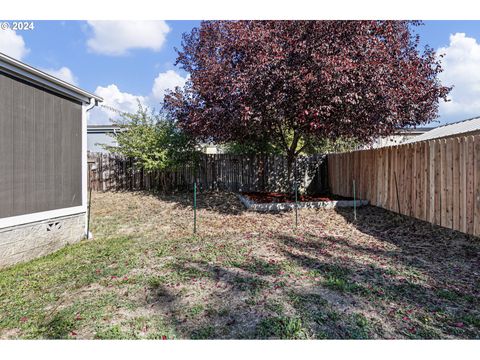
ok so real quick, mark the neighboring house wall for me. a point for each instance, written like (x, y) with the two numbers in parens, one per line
(393, 140)
(400, 137)
(96, 139)
(211, 149)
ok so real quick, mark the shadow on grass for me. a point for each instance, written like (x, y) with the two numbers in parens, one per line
(450, 258)
(405, 279)
(225, 310)
(429, 270)
(225, 203)
(59, 327)
(242, 305)
(419, 282)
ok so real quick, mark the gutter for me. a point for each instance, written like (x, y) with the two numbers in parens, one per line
(29, 73)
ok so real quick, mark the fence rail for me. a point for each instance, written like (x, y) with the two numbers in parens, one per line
(436, 181)
(218, 172)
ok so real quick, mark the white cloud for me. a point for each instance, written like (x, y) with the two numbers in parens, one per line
(113, 97)
(126, 102)
(168, 80)
(117, 37)
(461, 66)
(64, 73)
(12, 44)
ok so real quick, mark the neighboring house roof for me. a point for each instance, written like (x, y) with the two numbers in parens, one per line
(463, 127)
(413, 131)
(28, 73)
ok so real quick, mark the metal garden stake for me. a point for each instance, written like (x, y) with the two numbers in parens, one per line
(296, 192)
(354, 203)
(296, 204)
(195, 207)
(396, 189)
(89, 207)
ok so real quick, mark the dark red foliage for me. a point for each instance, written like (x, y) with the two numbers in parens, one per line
(284, 81)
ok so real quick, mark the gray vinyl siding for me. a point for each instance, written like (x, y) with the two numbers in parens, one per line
(40, 149)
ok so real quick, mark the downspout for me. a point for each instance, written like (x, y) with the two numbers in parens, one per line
(93, 103)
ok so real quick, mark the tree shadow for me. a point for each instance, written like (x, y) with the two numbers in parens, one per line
(449, 257)
(418, 283)
(241, 290)
(405, 262)
(383, 265)
(225, 203)
(225, 309)
(59, 327)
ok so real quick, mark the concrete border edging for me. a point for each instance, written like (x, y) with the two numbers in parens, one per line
(276, 207)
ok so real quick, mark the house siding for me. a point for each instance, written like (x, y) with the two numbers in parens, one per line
(40, 149)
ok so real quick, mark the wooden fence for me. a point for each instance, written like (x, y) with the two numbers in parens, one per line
(218, 172)
(436, 181)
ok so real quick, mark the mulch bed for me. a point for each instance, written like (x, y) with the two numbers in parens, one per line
(277, 197)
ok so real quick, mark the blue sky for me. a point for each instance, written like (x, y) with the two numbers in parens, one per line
(125, 61)
(54, 44)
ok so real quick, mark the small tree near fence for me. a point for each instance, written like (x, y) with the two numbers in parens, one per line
(154, 142)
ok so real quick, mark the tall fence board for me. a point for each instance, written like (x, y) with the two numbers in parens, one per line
(216, 172)
(437, 181)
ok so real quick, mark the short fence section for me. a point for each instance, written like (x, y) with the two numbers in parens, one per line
(436, 181)
(216, 172)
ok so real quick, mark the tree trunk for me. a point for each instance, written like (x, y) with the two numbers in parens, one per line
(290, 170)
(261, 172)
(291, 156)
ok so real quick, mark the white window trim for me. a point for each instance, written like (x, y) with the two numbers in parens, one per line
(84, 165)
(40, 216)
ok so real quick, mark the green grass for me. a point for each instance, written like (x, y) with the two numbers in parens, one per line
(455, 296)
(275, 306)
(342, 283)
(30, 292)
(203, 333)
(359, 328)
(196, 310)
(286, 328)
(448, 295)
(323, 317)
(262, 267)
(113, 332)
(253, 285)
(471, 319)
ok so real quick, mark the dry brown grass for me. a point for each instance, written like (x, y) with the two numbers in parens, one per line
(251, 275)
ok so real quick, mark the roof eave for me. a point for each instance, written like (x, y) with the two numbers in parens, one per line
(29, 73)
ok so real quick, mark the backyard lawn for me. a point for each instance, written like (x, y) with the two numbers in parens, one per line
(246, 276)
